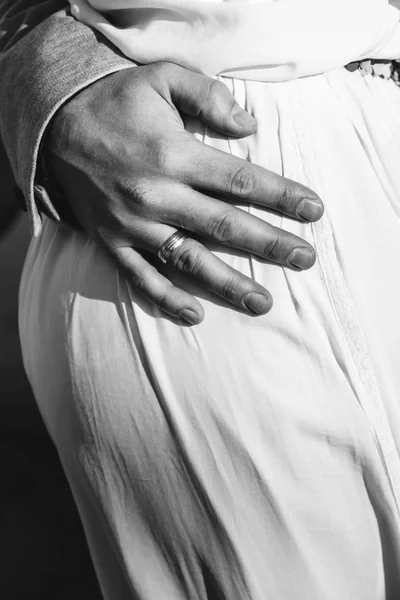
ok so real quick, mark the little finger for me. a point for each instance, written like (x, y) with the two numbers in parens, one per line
(156, 288)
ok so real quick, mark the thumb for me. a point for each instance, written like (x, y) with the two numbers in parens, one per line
(201, 96)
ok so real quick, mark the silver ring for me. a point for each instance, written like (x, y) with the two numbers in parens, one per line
(174, 241)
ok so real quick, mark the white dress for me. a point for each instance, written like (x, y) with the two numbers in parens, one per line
(244, 458)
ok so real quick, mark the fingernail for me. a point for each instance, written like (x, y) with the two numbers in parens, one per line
(190, 316)
(310, 209)
(302, 258)
(241, 117)
(257, 303)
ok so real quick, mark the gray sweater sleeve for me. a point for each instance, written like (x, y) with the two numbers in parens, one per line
(45, 58)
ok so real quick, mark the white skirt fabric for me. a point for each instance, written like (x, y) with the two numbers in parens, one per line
(245, 458)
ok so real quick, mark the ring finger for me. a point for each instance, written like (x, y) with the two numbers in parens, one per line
(192, 259)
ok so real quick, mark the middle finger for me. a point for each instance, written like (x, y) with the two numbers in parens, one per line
(221, 173)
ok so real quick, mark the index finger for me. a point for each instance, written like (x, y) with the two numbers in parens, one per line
(218, 172)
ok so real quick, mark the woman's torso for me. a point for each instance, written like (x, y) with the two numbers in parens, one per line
(261, 40)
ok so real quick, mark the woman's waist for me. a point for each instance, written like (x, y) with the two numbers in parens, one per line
(261, 40)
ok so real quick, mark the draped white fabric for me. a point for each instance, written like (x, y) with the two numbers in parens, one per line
(245, 458)
(265, 40)
(250, 456)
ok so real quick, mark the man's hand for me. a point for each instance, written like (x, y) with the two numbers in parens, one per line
(132, 176)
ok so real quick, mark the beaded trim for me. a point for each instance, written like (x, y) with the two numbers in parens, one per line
(396, 72)
(377, 68)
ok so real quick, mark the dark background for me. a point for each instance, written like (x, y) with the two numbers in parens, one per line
(42, 547)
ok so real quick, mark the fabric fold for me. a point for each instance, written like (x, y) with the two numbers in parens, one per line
(265, 40)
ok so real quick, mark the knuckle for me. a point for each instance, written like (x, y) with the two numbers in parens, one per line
(164, 155)
(242, 182)
(187, 258)
(163, 301)
(213, 90)
(285, 200)
(222, 228)
(138, 193)
(170, 155)
(212, 94)
(163, 70)
(229, 289)
(272, 247)
(139, 281)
